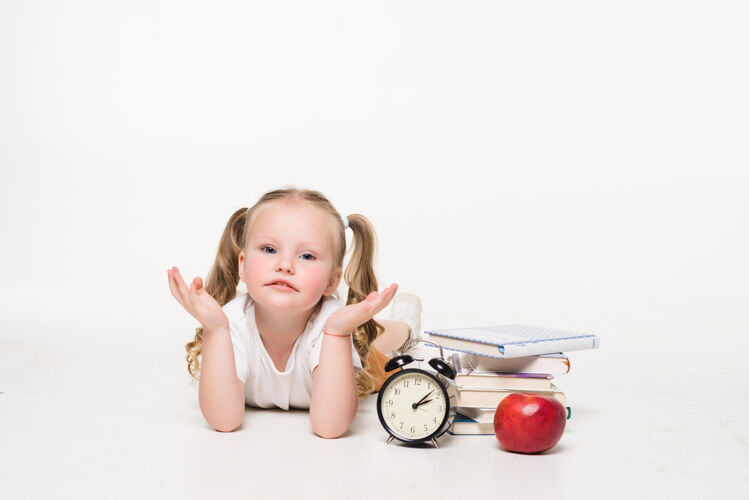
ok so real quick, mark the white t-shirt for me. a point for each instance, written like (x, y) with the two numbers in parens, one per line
(264, 385)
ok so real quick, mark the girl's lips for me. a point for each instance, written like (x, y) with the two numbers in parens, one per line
(280, 286)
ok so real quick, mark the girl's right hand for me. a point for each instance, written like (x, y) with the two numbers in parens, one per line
(197, 301)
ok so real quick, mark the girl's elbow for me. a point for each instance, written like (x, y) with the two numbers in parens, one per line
(330, 428)
(329, 431)
(226, 427)
(326, 436)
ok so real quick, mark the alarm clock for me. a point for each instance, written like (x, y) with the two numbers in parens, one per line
(415, 405)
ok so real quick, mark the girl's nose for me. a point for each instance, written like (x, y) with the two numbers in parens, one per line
(285, 264)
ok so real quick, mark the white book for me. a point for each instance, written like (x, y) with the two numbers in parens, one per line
(512, 341)
(482, 398)
(486, 414)
(554, 364)
(479, 414)
(467, 426)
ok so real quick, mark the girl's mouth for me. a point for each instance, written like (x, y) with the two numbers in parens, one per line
(280, 285)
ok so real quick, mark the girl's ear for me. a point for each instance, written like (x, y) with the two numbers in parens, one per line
(240, 267)
(335, 279)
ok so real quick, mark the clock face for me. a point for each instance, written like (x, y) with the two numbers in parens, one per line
(412, 405)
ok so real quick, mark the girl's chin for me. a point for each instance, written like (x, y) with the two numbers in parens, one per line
(275, 299)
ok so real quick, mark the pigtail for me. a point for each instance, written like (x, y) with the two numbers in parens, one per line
(361, 280)
(222, 280)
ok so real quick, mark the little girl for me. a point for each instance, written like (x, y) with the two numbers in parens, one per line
(289, 342)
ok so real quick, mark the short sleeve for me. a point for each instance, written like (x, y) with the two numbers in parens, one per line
(241, 353)
(316, 348)
(329, 307)
(240, 335)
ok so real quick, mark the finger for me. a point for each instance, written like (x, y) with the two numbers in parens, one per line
(174, 288)
(385, 297)
(376, 301)
(194, 300)
(178, 282)
(182, 287)
(197, 287)
(172, 285)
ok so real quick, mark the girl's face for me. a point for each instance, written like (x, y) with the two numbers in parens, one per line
(293, 242)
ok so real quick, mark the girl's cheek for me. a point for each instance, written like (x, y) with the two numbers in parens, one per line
(252, 268)
(319, 277)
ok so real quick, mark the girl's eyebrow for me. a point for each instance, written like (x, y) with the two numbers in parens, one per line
(301, 243)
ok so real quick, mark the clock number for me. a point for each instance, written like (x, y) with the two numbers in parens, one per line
(434, 420)
(397, 391)
(405, 383)
(390, 402)
(413, 429)
(426, 429)
(439, 408)
(392, 415)
(401, 426)
(418, 381)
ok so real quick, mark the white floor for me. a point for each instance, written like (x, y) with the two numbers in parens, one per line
(104, 409)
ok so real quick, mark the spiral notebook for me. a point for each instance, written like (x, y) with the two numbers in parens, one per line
(512, 341)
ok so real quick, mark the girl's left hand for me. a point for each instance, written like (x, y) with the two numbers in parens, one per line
(344, 321)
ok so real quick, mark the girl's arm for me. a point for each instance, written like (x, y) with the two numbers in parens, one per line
(221, 392)
(334, 399)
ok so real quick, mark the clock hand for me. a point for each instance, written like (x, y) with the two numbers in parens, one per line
(416, 404)
(425, 396)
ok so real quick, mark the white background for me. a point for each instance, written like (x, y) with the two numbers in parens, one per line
(581, 165)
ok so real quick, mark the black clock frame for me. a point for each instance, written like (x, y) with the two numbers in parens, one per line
(449, 414)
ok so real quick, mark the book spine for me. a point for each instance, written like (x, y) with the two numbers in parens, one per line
(463, 382)
(531, 364)
(477, 398)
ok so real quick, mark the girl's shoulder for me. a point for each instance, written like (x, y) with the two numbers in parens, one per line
(317, 321)
(330, 305)
(237, 307)
(333, 301)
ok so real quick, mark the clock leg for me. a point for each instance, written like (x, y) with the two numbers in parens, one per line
(434, 441)
(390, 438)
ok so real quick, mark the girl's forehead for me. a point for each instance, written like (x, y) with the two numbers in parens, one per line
(300, 220)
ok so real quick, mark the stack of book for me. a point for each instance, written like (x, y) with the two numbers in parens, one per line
(483, 382)
(494, 362)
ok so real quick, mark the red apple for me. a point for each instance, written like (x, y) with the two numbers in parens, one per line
(529, 423)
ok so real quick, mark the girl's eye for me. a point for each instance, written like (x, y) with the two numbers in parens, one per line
(304, 256)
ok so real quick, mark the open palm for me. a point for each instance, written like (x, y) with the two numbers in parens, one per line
(345, 320)
(197, 301)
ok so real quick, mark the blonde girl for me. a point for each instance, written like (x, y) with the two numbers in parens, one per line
(289, 341)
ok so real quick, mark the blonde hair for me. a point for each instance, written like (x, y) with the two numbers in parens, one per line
(223, 279)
